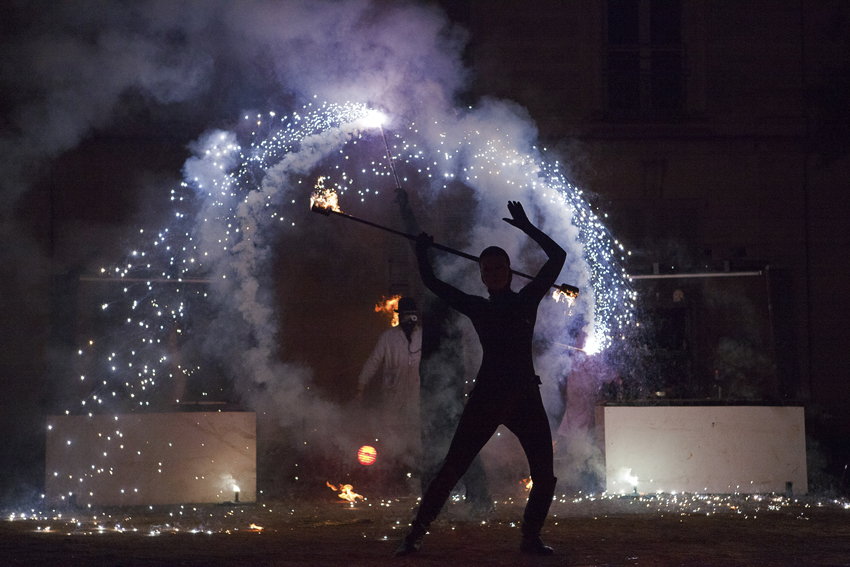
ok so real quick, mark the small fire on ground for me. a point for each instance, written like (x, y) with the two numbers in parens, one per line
(346, 492)
(527, 483)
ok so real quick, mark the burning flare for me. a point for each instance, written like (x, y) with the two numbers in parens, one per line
(366, 455)
(565, 293)
(388, 307)
(345, 492)
(375, 119)
(626, 476)
(324, 197)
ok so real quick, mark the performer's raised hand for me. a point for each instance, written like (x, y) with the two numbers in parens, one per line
(520, 219)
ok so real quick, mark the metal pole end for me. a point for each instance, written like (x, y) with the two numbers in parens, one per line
(569, 290)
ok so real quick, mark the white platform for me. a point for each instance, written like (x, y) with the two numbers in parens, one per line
(704, 449)
(148, 459)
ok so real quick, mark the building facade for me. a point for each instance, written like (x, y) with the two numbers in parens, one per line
(714, 135)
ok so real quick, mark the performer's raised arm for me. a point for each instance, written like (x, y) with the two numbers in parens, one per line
(557, 256)
(441, 289)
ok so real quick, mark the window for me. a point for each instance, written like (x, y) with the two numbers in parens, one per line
(645, 72)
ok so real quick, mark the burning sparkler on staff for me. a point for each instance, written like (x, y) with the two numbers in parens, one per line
(324, 197)
(325, 201)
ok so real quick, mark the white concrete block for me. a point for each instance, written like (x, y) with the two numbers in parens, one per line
(704, 449)
(150, 459)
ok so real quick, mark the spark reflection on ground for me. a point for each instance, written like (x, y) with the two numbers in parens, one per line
(395, 513)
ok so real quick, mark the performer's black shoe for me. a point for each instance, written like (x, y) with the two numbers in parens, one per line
(412, 541)
(533, 545)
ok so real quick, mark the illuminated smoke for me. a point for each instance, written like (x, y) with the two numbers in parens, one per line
(209, 265)
(241, 190)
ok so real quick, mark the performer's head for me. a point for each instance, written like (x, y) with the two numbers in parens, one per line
(408, 314)
(495, 266)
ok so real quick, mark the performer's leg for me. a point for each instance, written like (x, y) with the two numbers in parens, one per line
(531, 426)
(475, 428)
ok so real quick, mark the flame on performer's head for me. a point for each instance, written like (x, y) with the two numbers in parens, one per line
(346, 492)
(324, 197)
(388, 307)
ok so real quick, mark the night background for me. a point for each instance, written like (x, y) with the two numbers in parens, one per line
(710, 138)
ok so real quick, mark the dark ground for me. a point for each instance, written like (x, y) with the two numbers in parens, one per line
(665, 530)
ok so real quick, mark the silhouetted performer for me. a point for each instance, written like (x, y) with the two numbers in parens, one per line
(442, 391)
(506, 389)
(397, 355)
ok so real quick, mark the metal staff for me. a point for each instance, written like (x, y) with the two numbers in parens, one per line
(568, 290)
(390, 158)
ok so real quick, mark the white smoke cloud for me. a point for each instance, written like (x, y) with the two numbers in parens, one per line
(68, 72)
(81, 66)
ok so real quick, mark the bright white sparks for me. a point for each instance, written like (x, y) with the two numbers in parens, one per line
(165, 281)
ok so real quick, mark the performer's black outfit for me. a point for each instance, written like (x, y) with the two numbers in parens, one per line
(506, 391)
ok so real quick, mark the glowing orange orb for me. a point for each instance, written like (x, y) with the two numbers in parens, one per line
(367, 455)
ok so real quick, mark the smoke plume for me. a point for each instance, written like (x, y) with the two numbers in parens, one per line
(72, 70)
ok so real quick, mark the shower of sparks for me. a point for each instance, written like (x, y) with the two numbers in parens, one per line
(614, 296)
(493, 160)
(136, 362)
(162, 277)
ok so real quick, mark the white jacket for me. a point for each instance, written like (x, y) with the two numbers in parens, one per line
(400, 362)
